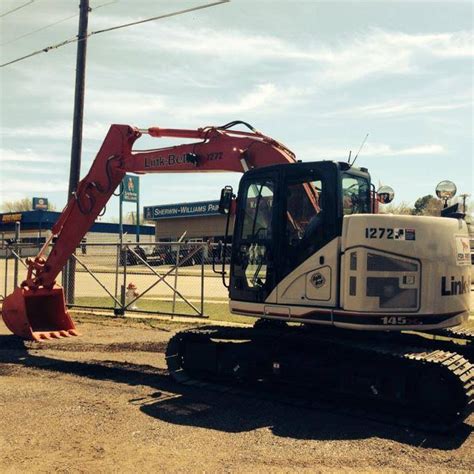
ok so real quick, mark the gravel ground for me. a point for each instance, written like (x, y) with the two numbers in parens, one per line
(105, 403)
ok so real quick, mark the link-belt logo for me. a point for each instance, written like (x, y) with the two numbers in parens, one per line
(455, 287)
(172, 159)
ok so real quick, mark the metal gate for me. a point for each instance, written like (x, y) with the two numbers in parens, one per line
(169, 278)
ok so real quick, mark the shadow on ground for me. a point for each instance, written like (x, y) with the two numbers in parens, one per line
(190, 406)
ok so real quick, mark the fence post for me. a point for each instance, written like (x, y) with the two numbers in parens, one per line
(17, 238)
(124, 285)
(7, 253)
(117, 264)
(202, 280)
(178, 248)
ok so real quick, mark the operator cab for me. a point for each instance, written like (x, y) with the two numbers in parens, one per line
(285, 214)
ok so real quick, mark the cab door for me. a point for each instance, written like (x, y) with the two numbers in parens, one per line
(254, 240)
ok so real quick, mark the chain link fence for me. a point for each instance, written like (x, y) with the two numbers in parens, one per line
(172, 278)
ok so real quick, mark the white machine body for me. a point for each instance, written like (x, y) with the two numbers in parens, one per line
(385, 272)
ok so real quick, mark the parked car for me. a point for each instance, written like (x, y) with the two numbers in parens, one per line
(132, 259)
(166, 255)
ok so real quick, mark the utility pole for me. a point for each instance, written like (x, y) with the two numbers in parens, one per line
(76, 147)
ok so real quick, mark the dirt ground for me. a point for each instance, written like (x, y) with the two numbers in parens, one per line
(105, 403)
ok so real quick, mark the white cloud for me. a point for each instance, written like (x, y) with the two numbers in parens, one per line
(378, 52)
(372, 149)
(233, 43)
(23, 158)
(25, 169)
(20, 188)
(310, 68)
(373, 52)
(215, 42)
(132, 107)
(120, 102)
(415, 150)
(448, 45)
(57, 130)
(405, 107)
(261, 98)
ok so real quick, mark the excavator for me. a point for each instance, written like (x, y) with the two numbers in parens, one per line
(352, 307)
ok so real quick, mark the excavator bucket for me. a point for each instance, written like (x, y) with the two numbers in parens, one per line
(38, 315)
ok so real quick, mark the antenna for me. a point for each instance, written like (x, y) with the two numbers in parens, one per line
(361, 145)
(349, 159)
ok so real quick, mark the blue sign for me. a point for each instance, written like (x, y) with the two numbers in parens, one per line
(130, 188)
(40, 203)
(188, 209)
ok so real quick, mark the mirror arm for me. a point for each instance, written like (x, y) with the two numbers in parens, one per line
(224, 250)
(373, 196)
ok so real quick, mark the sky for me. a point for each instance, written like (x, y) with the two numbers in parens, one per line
(315, 75)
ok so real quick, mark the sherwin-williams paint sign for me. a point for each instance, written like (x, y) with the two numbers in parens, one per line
(188, 209)
(130, 188)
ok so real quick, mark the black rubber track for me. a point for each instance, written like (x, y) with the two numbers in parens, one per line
(458, 339)
(384, 380)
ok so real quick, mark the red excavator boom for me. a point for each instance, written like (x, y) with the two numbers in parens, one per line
(36, 310)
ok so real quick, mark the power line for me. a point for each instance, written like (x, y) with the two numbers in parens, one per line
(16, 9)
(53, 24)
(180, 12)
(104, 5)
(39, 29)
(126, 25)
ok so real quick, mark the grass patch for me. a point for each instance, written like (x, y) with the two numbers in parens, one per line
(214, 311)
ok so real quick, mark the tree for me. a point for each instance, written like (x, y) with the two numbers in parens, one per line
(433, 207)
(427, 206)
(17, 206)
(21, 205)
(402, 208)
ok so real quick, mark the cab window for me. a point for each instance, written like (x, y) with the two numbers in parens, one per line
(258, 211)
(303, 208)
(256, 240)
(355, 194)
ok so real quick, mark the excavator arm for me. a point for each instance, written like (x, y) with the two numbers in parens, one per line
(37, 309)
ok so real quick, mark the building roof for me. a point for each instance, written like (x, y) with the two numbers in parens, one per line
(44, 220)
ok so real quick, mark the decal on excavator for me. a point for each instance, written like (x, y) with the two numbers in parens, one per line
(455, 287)
(463, 251)
(400, 320)
(172, 159)
(318, 280)
(162, 161)
(390, 233)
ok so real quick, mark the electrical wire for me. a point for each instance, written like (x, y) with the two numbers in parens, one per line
(16, 9)
(167, 15)
(126, 25)
(104, 5)
(54, 24)
(39, 29)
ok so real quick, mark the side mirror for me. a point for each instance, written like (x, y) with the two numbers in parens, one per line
(446, 190)
(385, 194)
(226, 199)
